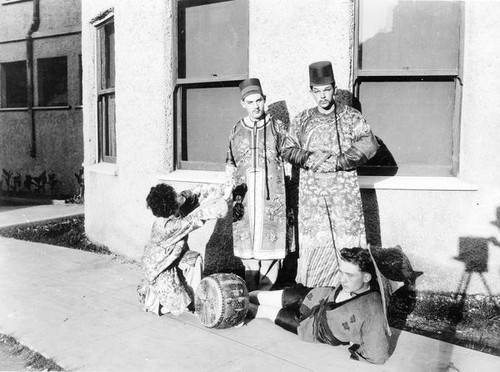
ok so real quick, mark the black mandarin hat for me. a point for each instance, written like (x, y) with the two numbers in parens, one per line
(321, 73)
(250, 86)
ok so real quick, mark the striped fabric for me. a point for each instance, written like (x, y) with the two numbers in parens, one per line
(318, 267)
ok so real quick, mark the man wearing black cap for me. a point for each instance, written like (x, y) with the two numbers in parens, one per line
(255, 181)
(328, 142)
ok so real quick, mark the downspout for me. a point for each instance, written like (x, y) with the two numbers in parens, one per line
(35, 23)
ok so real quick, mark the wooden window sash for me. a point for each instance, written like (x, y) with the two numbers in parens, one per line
(106, 129)
(360, 75)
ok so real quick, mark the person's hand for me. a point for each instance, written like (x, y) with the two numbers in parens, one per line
(316, 159)
(228, 193)
(238, 211)
(330, 165)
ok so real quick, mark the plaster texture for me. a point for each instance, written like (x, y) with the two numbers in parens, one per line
(440, 228)
(58, 132)
(286, 36)
(144, 107)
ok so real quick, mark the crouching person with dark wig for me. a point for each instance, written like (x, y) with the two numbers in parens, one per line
(171, 270)
(351, 314)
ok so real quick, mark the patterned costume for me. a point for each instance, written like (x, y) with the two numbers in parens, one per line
(329, 201)
(317, 317)
(255, 168)
(172, 271)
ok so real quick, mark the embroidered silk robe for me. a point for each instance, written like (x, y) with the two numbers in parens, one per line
(256, 170)
(330, 210)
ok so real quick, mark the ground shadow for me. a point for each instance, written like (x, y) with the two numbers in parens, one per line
(219, 254)
(474, 253)
(288, 271)
(395, 266)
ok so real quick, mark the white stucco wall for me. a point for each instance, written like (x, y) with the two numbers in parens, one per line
(286, 36)
(426, 217)
(115, 194)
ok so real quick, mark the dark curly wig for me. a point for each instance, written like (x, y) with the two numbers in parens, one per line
(360, 257)
(162, 200)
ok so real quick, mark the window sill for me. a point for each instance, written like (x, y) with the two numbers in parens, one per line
(193, 176)
(7, 2)
(365, 182)
(415, 183)
(36, 108)
(6, 109)
(42, 108)
(109, 169)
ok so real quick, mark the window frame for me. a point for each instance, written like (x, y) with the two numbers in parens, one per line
(181, 86)
(106, 135)
(41, 86)
(388, 75)
(3, 86)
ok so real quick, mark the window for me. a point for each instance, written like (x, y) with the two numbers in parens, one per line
(407, 81)
(212, 56)
(106, 91)
(13, 84)
(80, 81)
(53, 81)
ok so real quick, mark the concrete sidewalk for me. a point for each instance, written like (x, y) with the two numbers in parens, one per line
(82, 310)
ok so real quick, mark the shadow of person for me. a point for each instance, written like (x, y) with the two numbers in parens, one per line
(288, 271)
(395, 266)
(219, 254)
(381, 164)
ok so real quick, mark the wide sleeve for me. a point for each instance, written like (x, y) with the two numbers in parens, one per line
(292, 149)
(374, 347)
(165, 246)
(364, 147)
(174, 230)
(230, 169)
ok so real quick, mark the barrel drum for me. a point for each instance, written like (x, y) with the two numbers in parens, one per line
(221, 300)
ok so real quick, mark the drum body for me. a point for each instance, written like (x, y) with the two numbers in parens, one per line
(221, 300)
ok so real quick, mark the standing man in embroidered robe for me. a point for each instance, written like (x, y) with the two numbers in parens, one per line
(256, 183)
(328, 142)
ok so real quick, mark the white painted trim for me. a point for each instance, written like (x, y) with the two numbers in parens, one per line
(6, 2)
(193, 176)
(100, 19)
(415, 183)
(110, 169)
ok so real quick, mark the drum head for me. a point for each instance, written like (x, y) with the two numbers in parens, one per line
(221, 300)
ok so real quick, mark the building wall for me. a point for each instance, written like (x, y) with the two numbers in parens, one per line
(58, 132)
(440, 223)
(115, 194)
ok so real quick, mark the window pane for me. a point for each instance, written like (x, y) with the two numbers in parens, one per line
(414, 120)
(52, 82)
(106, 36)
(408, 35)
(107, 127)
(80, 80)
(15, 83)
(210, 115)
(213, 38)
(110, 55)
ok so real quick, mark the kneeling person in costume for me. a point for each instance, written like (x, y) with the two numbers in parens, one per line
(171, 270)
(351, 314)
